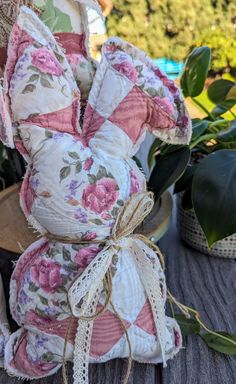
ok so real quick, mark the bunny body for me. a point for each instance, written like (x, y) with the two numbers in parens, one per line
(78, 178)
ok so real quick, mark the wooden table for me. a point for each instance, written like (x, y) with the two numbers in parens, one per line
(206, 283)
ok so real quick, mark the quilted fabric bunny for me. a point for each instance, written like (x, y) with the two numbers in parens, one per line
(82, 185)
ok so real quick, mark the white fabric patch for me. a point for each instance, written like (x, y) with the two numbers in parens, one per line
(109, 89)
(117, 142)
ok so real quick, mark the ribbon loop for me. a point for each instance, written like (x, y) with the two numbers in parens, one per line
(132, 214)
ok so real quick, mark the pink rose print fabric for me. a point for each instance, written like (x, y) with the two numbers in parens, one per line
(47, 275)
(134, 183)
(80, 174)
(46, 62)
(100, 196)
(128, 70)
(85, 255)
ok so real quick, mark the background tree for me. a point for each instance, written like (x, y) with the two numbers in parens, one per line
(170, 28)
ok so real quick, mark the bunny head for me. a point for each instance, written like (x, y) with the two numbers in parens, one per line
(80, 170)
(79, 177)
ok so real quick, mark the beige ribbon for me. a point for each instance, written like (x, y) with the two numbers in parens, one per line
(85, 292)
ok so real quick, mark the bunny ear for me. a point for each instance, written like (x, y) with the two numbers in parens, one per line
(169, 120)
(6, 129)
(38, 79)
(164, 109)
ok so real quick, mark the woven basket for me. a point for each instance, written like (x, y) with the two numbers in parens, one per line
(191, 232)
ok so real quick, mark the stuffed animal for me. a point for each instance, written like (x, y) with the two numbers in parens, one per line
(89, 290)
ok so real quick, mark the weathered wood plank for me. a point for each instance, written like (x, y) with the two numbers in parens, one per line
(107, 373)
(209, 285)
(6, 379)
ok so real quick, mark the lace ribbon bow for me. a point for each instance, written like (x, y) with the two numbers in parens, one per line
(85, 292)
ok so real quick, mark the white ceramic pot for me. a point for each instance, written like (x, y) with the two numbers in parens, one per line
(191, 232)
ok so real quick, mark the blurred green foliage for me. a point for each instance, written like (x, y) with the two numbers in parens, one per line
(171, 28)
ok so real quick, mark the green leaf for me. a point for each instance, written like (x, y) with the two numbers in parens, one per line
(29, 88)
(48, 134)
(82, 65)
(223, 107)
(188, 326)
(92, 178)
(47, 357)
(64, 172)
(43, 300)
(32, 115)
(45, 83)
(78, 167)
(115, 212)
(167, 148)
(40, 312)
(185, 181)
(65, 280)
(214, 195)
(33, 78)
(96, 221)
(77, 247)
(120, 203)
(66, 254)
(231, 95)
(153, 149)
(102, 172)
(32, 68)
(218, 90)
(33, 287)
(52, 252)
(55, 19)
(60, 58)
(63, 303)
(139, 68)
(227, 137)
(199, 127)
(62, 289)
(195, 71)
(138, 162)
(219, 344)
(73, 266)
(167, 170)
(152, 91)
(73, 155)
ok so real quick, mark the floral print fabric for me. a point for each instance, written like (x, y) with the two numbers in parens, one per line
(80, 173)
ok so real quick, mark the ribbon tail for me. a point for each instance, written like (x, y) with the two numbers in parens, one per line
(151, 273)
(83, 343)
(83, 289)
(83, 296)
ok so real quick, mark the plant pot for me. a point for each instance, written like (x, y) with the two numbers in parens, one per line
(192, 233)
(157, 222)
(15, 233)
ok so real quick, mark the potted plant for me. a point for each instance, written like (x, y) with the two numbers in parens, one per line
(207, 189)
(165, 172)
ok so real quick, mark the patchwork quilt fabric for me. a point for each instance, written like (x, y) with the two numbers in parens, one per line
(80, 176)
